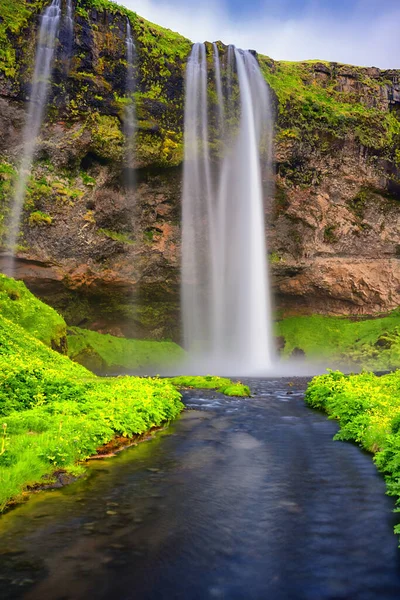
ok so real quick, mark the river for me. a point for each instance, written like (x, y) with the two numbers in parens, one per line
(244, 499)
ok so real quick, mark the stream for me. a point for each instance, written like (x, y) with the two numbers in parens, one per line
(239, 499)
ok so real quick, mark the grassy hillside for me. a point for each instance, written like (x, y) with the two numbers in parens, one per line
(104, 353)
(18, 305)
(372, 344)
(55, 413)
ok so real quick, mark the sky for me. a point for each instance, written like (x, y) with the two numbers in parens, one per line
(359, 32)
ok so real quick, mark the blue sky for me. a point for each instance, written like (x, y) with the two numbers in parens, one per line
(361, 32)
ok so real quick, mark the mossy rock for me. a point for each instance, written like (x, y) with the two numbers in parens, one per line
(20, 306)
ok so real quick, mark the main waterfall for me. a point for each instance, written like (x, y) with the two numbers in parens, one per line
(225, 289)
(49, 27)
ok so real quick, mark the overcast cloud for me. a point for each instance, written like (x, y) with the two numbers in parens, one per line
(366, 34)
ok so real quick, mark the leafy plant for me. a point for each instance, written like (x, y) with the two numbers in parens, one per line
(367, 408)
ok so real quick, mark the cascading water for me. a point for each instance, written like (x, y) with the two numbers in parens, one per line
(69, 32)
(225, 289)
(68, 17)
(130, 116)
(49, 27)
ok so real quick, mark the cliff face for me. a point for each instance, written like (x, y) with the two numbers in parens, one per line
(110, 260)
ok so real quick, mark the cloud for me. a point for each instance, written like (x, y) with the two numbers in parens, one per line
(360, 36)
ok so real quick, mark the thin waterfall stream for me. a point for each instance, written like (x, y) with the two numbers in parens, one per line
(45, 52)
(69, 32)
(225, 289)
(130, 115)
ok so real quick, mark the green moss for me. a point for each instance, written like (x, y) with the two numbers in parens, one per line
(87, 179)
(7, 178)
(161, 148)
(371, 343)
(39, 218)
(209, 382)
(116, 236)
(318, 108)
(20, 306)
(329, 234)
(110, 354)
(358, 203)
(15, 16)
(274, 258)
(108, 140)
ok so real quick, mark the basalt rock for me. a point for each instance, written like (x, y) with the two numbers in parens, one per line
(109, 259)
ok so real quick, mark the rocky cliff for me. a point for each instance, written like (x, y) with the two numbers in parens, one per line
(109, 259)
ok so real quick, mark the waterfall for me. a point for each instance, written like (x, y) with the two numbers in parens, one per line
(69, 32)
(68, 17)
(130, 116)
(48, 31)
(225, 288)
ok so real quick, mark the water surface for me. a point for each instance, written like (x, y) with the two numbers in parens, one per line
(239, 499)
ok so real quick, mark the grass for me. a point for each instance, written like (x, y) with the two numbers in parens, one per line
(57, 413)
(54, 412)
(307, 105)
(367, 408)
(209, 382)
(372, 344)
(107, 353)
(20, 306)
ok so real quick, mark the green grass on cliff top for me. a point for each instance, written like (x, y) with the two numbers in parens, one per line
(371, 344)
(307, 102)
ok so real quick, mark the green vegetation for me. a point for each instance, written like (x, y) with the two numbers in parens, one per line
(311, 101)
(38, 217)
(21, 307)
(55, 413)
(367, 408)
(372, 344)
(104, 353)
(116, 236)
(209, 382)
(7, 175)
(107, 137)
(15, 16)
(274, 258)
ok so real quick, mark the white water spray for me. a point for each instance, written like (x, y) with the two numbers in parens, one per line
(49, 26)
(225, 289)
(130, 116)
